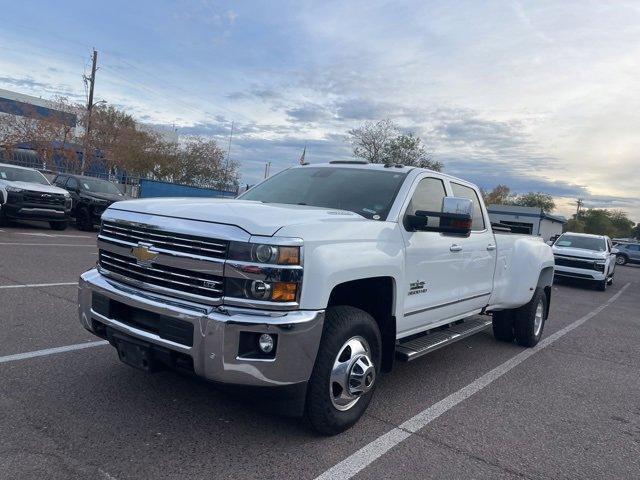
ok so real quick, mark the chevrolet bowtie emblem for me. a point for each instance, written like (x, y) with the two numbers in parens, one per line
(143, 255)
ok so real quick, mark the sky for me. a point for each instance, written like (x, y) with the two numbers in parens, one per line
(540, 96)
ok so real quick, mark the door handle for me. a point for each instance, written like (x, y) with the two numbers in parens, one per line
(491, 246)
(455, 247)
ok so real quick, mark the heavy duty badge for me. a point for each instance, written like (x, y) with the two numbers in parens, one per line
(417, 287)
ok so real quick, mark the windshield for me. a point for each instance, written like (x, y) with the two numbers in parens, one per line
(14, 174)
(99, 186)
(369, 193)
(586, 243)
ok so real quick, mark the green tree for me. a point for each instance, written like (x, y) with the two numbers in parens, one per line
(533, 199)
(500, 195)
(621, 223)
(600, 221)
(597, 222)
(574, 225)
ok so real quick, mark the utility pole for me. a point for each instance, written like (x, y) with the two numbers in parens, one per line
(579, 203)
(229, 147)
(267, 168)
(92, 82)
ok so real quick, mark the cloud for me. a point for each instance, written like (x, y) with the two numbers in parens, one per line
(309, 112)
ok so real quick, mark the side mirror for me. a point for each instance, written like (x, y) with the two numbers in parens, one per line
(550, 242)
(416, 223)
(455, 218)
(615, 251)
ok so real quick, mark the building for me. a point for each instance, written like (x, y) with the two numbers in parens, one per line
(18, 104)
(528, 220)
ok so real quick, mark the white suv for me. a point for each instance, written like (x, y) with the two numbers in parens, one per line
(585, 256)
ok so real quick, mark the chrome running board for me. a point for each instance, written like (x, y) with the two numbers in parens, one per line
(415, 347)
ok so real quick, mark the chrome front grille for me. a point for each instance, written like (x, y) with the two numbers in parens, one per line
(164, 278)
(161, 240)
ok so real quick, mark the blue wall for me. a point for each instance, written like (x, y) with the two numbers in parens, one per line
(15, 107)
(153, 188)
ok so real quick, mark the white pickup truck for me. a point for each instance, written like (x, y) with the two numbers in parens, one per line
(312, 282)
(585, 257)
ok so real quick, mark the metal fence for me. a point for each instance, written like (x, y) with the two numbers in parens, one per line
(134, 186)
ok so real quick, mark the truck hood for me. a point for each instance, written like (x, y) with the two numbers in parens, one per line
(112, 197)
(35, 187)
(256, 218)
(579, 252)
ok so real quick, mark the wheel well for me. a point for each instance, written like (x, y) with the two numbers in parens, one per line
(374, 296)
(545, 280)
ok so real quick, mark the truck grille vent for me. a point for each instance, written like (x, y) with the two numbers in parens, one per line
(567, 262)
(43, 198)
(164, 276)
(175, 242)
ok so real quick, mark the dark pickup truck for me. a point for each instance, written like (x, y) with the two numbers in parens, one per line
(90, 197)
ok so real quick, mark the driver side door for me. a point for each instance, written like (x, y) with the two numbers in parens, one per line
(433, 263)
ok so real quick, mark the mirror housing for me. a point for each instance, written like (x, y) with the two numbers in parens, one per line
(550, 242)
(455, 217)
(615, 251)
(416, 223)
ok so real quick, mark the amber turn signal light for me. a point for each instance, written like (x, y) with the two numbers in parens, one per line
(289, 255)
(284, 291)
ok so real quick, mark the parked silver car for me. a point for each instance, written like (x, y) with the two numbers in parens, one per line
(628, 253)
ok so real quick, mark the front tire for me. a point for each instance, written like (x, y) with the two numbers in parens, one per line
(58, 225)
(529, 320)
(345, 372)
(621, 260)
(502, 324)
(602, 285)
(83, 220)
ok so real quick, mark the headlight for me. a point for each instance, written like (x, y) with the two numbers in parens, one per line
(599, 266)
(14, 189)
(262, 253)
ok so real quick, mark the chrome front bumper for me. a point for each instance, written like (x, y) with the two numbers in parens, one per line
(216, 333)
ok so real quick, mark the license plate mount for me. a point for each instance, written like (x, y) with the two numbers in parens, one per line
(135, 354)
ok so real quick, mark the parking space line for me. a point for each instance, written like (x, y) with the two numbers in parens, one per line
(54, 235)
(46, 244)
(37, 285)
(362, 458)
(51, 351)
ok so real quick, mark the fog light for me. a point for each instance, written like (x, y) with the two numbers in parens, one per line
(259, 290)
(265, 342)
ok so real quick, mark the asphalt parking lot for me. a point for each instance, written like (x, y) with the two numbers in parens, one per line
(567, 410)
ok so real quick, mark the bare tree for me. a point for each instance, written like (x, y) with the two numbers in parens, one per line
(383, 142)
(369, 140)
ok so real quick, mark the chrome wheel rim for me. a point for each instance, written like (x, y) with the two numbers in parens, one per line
(353, 374)
(537, 323)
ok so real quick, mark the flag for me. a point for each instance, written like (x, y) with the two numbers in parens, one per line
(302, 156)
